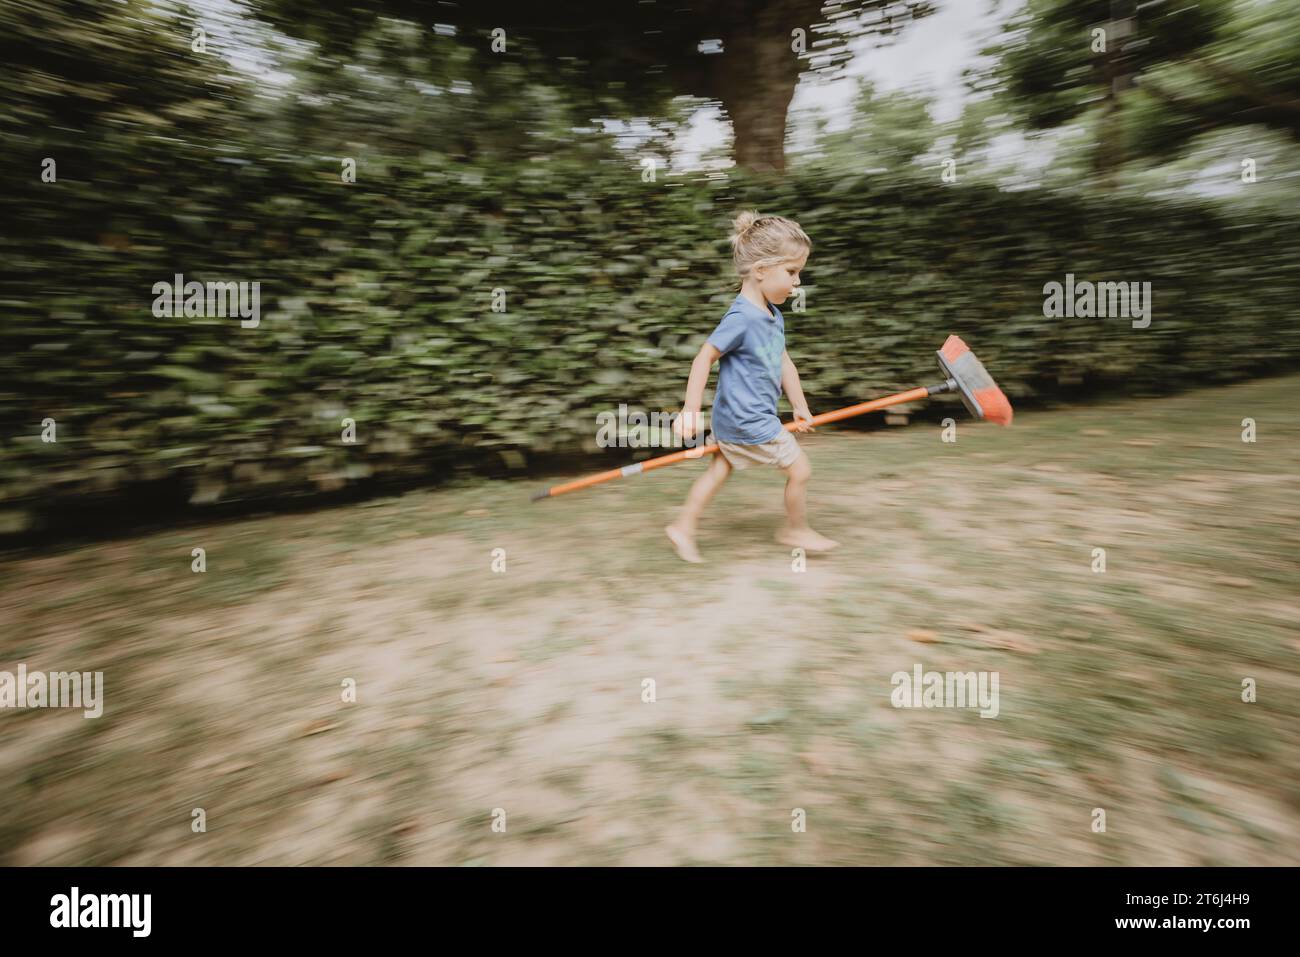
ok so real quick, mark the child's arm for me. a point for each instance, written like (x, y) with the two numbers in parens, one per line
(686, 423)
(790, 383)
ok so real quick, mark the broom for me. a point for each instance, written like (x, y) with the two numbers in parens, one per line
(964, 373)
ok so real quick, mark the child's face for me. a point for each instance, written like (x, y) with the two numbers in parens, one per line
(778, 282)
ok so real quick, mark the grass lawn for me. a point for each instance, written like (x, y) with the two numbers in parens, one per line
(522, 690)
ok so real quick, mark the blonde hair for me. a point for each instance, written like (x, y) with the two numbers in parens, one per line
(764, 241)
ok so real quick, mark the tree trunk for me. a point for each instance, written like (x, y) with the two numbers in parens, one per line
(755, 79)
(1117, 77)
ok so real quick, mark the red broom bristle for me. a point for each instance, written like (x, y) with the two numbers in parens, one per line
(953, 348)
(996, 406)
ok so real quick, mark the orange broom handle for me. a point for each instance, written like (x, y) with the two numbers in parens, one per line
(920, 392)
(848, 412)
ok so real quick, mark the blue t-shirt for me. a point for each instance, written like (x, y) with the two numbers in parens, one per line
(752, 342)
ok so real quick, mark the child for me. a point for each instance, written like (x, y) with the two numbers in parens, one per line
(769, 252)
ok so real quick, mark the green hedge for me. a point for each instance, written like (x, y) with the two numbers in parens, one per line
(376, 305)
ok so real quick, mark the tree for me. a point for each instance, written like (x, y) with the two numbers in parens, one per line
(1249, 74)
(1062, 59)
(635, 56)
(1153, 75)
(886, 131)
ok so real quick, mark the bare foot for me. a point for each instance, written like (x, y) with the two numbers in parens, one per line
(684, 543)
(805, 538)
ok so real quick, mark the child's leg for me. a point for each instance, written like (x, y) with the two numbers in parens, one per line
(796, 531)
(682, 531)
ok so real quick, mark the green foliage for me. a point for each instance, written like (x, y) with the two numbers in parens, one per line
(1250, 74)
(1054, 67)
(1159, 75)
(887, 132)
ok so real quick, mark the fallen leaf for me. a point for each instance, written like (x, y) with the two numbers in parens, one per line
(316, 727)
(923, 636)
(1008, 641)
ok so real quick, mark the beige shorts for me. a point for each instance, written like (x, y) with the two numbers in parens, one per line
(782, 451)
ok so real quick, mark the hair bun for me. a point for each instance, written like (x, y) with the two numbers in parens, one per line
(742, 223)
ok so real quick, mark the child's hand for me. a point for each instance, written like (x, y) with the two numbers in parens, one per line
(686, 423)
(803, 421)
